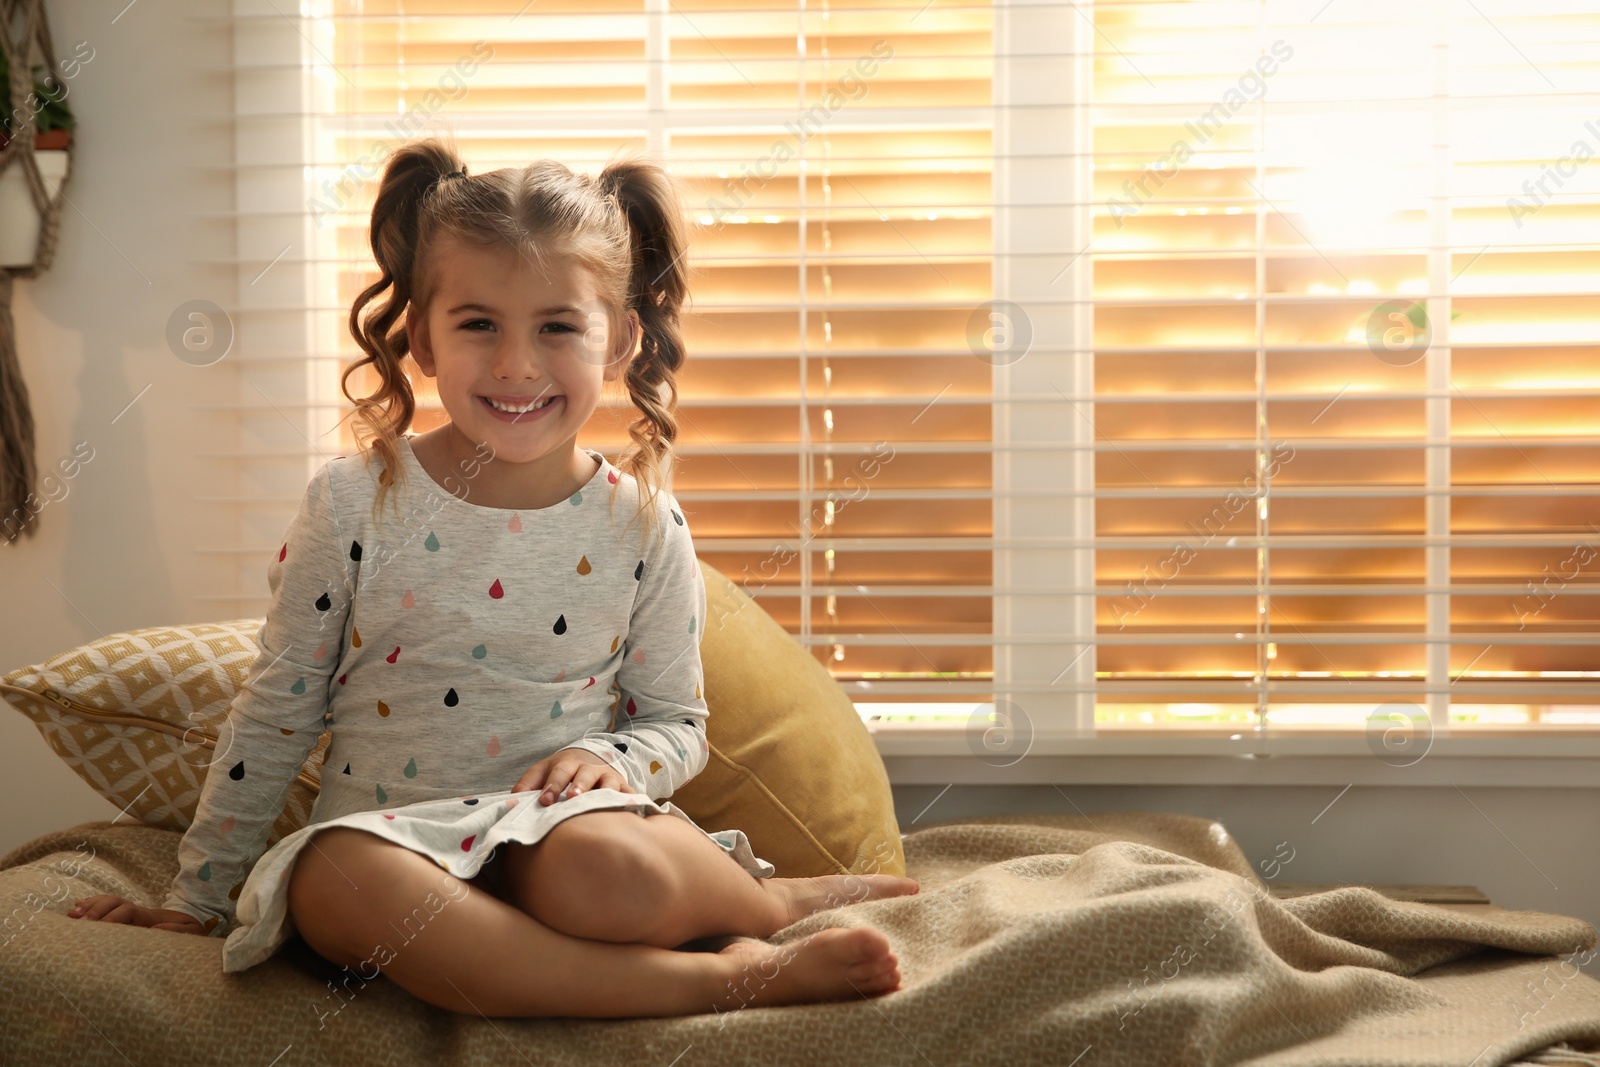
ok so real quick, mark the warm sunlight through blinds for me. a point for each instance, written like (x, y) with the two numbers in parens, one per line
(1219, 367)
(1347, 361)
(839, 159)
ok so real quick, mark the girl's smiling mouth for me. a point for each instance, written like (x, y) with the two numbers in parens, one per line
(522, 411)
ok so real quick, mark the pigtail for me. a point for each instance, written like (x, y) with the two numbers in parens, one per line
(650, 201)
(412, 173)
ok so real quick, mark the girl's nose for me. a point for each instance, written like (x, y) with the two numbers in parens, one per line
(516, 361)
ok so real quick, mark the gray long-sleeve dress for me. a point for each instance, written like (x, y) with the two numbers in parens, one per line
(448, 650)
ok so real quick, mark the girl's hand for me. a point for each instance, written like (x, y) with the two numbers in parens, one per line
(575, 767)
(113, 909)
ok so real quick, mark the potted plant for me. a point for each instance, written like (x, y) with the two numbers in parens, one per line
(52, 132)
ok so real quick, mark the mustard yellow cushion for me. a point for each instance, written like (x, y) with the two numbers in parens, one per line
(135, 715)
(792, 764)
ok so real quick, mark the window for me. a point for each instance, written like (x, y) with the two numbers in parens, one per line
(839, 160)
(993, 400)
(1346, 385)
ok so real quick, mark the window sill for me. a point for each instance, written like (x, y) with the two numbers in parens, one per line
(919, 755)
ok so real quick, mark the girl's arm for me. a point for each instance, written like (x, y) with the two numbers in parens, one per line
(278, 714)
(659, 742)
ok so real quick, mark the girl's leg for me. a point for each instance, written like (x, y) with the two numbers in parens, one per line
(614, 876)
(372, 905)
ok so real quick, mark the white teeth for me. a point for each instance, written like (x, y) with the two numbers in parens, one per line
(520, 411)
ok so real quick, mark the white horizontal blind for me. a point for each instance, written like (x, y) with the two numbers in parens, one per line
(952, 387)
(1347, 391)
(277, 337)
(838, 157)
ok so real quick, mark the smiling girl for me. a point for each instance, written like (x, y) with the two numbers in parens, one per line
(513, 681)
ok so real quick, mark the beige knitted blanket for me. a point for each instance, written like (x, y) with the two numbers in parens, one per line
(1131, 939)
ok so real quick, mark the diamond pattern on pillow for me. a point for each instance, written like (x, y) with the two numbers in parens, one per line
(135, 715)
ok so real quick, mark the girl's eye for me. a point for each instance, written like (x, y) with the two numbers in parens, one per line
(475, 324)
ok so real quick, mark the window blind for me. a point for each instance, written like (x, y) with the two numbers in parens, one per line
(837, 158)
(1014, 418)
(1346, 385)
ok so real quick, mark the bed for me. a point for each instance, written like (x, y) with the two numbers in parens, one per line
(1133, 939)
(1070, 941)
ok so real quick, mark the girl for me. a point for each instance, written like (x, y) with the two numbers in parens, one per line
(506, 632)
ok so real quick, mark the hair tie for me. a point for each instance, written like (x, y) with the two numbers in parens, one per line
(462, 173)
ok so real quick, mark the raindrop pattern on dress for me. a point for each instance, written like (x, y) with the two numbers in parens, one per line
(474, 620)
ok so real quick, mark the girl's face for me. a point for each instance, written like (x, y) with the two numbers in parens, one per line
(500, 336)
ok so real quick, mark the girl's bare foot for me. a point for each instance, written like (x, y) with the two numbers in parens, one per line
(832, 964)
(798, 897)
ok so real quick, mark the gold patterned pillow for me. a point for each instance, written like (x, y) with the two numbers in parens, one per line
(135, 715)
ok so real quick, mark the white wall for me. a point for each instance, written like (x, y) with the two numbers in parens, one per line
(151, 196)
(153, 184)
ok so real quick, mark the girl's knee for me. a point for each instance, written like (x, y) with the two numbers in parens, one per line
(328, 856)
(320, 897)
(335, 874)
(598, 865)
(618, 856)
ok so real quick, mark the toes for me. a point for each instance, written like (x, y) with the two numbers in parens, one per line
(887, 977)
(877, 985)
(865, 950)
(873, 971)
(850, 947)
(863, 943)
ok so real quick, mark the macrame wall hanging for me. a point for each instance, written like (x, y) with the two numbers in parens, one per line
(34, 165)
